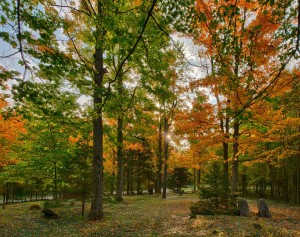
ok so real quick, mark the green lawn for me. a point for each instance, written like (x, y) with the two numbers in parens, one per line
(148, 216)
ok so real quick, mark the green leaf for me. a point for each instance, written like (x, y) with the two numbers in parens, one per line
(3, 20)
(4, 36)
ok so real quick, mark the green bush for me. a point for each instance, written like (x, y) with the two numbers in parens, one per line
(215, 196)
(53, 204)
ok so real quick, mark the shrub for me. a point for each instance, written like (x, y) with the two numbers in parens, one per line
(215, 196)
(53, 204)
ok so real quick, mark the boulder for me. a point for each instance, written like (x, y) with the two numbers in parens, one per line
(263, 209)
(243, 208)
(49, 213)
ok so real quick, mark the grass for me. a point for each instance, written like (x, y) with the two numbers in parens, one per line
(148, 216)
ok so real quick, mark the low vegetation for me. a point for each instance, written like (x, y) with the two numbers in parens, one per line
(147, 215)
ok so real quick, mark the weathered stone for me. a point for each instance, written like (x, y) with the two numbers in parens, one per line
(49, 213)
(243, 208)
(263, 209)
(34, 207)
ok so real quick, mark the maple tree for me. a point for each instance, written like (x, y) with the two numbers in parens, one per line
(245, 63)
(11, 126)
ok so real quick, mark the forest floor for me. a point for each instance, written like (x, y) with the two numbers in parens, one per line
(148, 216)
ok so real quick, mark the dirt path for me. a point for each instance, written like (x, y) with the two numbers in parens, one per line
(149, 216)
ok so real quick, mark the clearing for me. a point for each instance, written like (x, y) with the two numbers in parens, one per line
(148, 216)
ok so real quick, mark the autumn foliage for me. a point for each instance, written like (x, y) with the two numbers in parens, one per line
(11, 127)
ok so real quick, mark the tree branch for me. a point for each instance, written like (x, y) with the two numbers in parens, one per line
(120, 67)
(137, 41)
(72, 8)
(174, 43)
(21, 50)
(92, 7)
(131, 100)
(84, 61)
(8, 56)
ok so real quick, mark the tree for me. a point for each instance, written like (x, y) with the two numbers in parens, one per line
(49, 113)
(11, 127)
(88, 28)
(231, 33)
(215, 198)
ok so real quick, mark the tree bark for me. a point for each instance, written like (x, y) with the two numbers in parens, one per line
(166, 154)
(298, 165)
(159, 160)
(55, 181)
(120, 178)
(113, 176)
(198, 178)
(235, 167)
(226, 152)
(4, 193)
(139, 174)
(97, 198)
(225, 131)
(84, 186)
(194, 174)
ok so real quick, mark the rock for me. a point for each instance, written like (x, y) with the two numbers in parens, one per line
(263, 209)
(34, 207)
(243, 208)
(49, 213)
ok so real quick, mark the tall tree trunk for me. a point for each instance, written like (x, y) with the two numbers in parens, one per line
(226, 152)
(194, 174)
(113, 176)
(139, 174)
(83, 201)
(298, 167)
(128, 167)
(55, 181)
(97, 198)
(198, 178)
(4, 193)
(298, 179)
(159, 160)
(84, 187)
(119, 187)
(166, 154)
(272, 177)
(225, 131)
(235, 167)
(7, 192)
(14, 193)
(36, 190)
